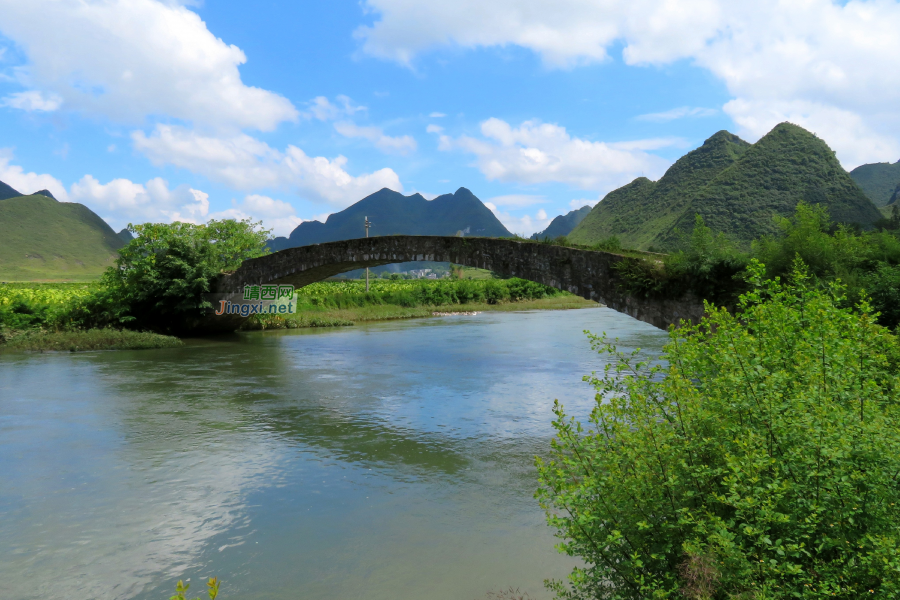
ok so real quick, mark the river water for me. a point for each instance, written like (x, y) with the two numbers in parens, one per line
(390, 461)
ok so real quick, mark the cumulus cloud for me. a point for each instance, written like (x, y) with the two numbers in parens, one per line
(538, 152)
(392, 145)
(523, 225)
(432, 128)
(28, 183)
(121, 201)
(437, 115)
(128, 59)
(579, 202)
(32, 101)
(678, 113)
(277, 215)
(815, 59)
(323, 109)
(244, 162)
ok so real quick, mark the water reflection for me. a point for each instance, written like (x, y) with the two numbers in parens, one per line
(388, 461)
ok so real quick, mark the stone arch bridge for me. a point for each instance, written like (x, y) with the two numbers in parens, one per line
(586, 273)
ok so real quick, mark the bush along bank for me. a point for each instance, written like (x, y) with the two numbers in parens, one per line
(712, 267)
(758, 459)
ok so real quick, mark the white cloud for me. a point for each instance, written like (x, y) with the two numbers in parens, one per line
(814, 59)
(392, 145)
(32, 101)
(516, 200)
(244, 162)
(277, 215)
(434, 129)
(129, 59)
(579, 202)
(324, 110)
(437, 115)
(538, 152)
(121, 201)
(678, 113)
(523, 225)
(28, 183)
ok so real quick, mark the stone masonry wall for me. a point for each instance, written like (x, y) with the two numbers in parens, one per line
(586, 273)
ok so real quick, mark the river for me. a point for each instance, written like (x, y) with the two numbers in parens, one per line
(389, 461)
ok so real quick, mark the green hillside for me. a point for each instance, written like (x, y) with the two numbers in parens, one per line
(641, 211)
(43, 239)
(7, 192)
(878, 181)
(738, 188)
(563, 224)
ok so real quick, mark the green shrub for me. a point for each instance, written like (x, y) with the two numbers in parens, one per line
(161, 276)
(759, 460)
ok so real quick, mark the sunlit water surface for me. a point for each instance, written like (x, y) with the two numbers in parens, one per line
(392, 461)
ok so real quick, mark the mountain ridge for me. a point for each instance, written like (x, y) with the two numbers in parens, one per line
(563, 225)
(392, 213)
(737, 187)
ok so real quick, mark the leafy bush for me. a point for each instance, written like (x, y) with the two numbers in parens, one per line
(161, 276)
(709, 266)
(760, 460)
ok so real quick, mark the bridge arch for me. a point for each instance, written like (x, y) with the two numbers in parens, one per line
(586, 273)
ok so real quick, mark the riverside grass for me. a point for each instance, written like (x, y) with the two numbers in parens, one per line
(88, 339)
(36, 316)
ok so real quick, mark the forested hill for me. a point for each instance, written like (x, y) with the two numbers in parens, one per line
(393, 213)
(563, 224)
(879, 181)
(642, 211)
(736, 187)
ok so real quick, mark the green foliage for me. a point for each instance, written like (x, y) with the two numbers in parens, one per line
(26, 306)
(181, 589)
(414, 293)
(757, 459)
(42, 239)
(709, 266)
(161, 276)
(735, 187)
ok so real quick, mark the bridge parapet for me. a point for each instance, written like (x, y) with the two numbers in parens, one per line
(586, 273)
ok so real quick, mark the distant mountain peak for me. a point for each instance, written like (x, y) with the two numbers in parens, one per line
(737, 187)
(45, 193)
(393, 213)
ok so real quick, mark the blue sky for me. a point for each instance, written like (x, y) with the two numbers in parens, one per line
(282, 112)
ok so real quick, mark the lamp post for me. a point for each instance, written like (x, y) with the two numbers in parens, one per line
(368, 224)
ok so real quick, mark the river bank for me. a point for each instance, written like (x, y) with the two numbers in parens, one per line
(78, 340)
(51, 317)
(345, 317)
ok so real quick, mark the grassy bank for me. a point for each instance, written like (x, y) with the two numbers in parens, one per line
(39, 316)
(341, 317)
(82, 340)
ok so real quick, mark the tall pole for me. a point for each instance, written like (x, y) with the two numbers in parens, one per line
(367, 268)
